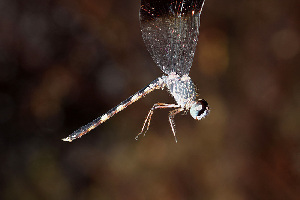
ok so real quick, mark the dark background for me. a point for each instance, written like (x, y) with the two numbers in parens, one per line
(63, 63)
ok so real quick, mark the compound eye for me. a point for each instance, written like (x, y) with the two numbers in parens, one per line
(200, 109)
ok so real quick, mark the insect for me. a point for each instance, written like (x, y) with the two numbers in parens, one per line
(170, 30)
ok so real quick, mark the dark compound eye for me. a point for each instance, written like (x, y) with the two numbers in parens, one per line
(200, 109)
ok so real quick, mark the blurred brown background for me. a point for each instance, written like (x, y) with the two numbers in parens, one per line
(63, 63)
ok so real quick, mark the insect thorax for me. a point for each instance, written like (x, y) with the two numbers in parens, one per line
(182, 89)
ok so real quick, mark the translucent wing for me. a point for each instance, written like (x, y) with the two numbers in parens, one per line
(170, 30)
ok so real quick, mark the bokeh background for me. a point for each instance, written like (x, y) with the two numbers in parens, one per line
(63, 63)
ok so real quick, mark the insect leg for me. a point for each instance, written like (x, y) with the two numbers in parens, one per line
(171, 120)
(150, 113)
